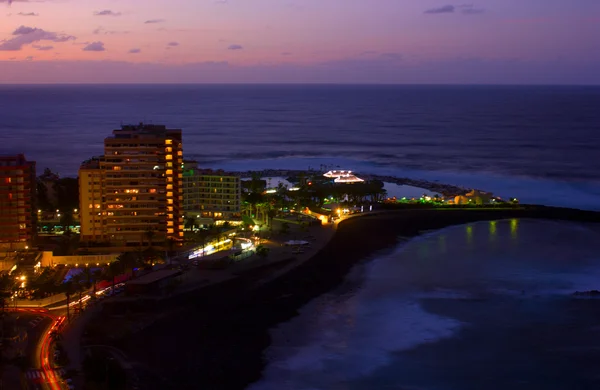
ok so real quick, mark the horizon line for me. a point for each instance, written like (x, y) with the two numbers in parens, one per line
(304, 83)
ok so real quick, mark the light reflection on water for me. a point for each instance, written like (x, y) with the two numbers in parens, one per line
(469, 229)
(492, 230)
(355, 341)
(514, 228)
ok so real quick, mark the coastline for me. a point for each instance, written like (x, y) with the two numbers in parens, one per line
(219, 334)
(444, 189)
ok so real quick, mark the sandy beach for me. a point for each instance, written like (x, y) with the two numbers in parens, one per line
(215, 337)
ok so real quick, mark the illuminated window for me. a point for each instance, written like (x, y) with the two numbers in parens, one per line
(116, 168)
(169, 186)
(168, 142)
(169, 157)
(180, 234)
(169, 165)
(169, 216)
(169, 149)
(170, 231)
(169, 194)
(169, 201)
(169, 172)
(170, 223)
(170, 209)
(152, 190)
(179, 153)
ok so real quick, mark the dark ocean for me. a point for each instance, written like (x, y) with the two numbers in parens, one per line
(537, 143)
(501, 138)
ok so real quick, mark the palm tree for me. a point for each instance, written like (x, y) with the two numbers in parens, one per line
(272, 213)
(96, 275)
(77, 279)
(171, 243)
(112, 271)
(67, 288)
(201, 237)
(256, 183)
(127, 262)
(67, 220)
(150, 233)
(190, 223)
(87, 276)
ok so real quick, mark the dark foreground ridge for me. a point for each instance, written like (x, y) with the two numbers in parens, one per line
(217, 336)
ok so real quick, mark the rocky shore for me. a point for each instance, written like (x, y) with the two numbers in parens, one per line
(216, 338)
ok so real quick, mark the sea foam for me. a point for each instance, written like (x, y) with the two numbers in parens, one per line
(340, 338)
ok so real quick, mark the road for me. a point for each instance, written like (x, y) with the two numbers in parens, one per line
(40, 323)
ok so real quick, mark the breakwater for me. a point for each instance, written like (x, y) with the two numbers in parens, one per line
(444, 189)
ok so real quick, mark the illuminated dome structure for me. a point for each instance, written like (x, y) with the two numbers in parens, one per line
(343, 177)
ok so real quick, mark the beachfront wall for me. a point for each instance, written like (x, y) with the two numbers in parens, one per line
(49, 260)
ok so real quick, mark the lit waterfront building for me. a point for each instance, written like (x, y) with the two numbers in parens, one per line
(18, 214)
(343, 177)
(210, 194)
(133, 193)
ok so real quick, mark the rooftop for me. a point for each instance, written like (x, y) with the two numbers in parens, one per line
(155, 276)
(14, 160)
(141, 129)
(92, 163)
(191, 169)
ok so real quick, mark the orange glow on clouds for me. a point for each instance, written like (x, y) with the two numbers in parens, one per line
(267, 33)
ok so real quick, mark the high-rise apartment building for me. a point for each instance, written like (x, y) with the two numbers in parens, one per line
(18, 215)
(133, 194)
(210, 194)
(91, 182)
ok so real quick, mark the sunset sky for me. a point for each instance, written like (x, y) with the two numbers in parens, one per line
(363, 41)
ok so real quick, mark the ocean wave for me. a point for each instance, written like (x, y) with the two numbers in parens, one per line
(349, 340)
